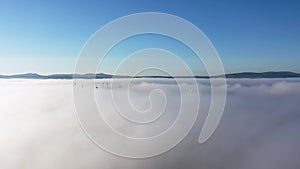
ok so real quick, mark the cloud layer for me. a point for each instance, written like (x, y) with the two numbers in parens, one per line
(259, 129)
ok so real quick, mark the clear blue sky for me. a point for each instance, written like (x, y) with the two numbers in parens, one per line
(46, 36)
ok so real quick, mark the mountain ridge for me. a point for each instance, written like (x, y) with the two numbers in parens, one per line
(252, 75)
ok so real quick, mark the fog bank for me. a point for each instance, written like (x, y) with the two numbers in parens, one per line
(259, 128)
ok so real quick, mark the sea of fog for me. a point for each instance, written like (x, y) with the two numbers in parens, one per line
(259, 129)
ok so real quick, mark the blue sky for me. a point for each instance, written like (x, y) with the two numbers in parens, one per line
(46, 36)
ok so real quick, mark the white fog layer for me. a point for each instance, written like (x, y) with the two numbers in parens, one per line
(259, 129)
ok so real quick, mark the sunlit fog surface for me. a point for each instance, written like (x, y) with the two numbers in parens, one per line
(259, 129)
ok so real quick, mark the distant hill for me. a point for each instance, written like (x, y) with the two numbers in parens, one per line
(282, 74)
(24, 76)
(56, 76)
